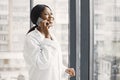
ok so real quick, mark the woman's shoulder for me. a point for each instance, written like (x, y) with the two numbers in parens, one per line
(34, 35)
(30, 34)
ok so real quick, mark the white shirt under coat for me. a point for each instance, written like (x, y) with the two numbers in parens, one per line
(43, 57)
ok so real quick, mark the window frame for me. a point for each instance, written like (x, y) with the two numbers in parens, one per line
(80, 38)
(72, 35)
(85, 40)
(31, 5)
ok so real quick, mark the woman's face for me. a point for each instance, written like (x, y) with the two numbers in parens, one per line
(47, 15)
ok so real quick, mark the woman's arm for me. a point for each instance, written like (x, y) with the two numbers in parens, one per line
(39, 55)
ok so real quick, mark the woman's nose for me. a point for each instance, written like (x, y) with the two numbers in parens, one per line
(51, 18)
(50, 15)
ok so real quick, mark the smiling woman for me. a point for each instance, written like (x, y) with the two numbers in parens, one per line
(42, 52)
(61, 21)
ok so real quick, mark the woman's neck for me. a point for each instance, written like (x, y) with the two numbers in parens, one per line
(39, 29)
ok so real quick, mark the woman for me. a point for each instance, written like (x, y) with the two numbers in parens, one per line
(42, 52)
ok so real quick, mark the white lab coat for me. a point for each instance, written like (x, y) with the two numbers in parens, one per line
(43, 57)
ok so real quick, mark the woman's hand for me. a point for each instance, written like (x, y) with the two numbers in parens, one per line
(43, 27)
(70, 71)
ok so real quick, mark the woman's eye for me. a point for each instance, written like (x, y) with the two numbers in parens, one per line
(45, 14)
(51, 13)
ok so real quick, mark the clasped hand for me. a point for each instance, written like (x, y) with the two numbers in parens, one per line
(44, 28)
(70, 71)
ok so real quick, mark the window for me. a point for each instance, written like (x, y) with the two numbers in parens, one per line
(106, 40)
(14, 23)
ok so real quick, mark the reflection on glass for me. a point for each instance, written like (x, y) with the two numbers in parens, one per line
(106, 40)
